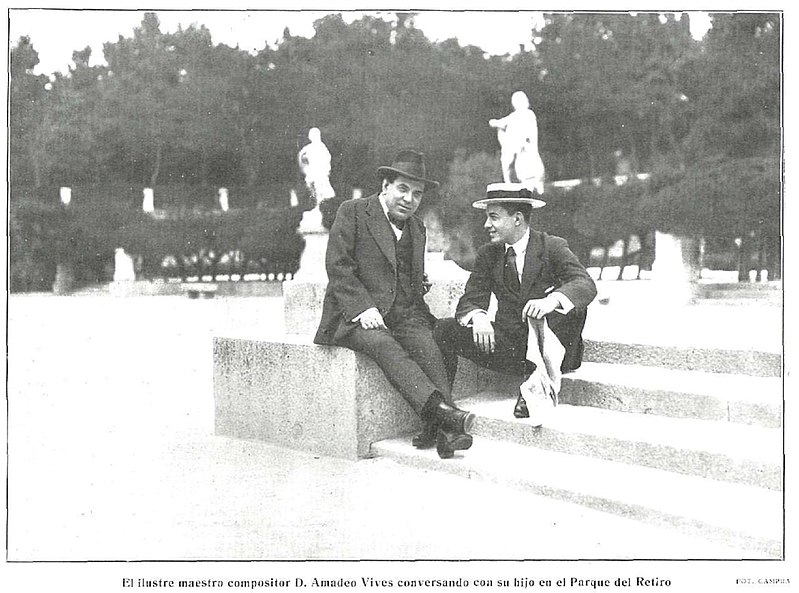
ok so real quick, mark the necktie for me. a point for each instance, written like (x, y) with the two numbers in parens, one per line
(400, 224)
(511, 274)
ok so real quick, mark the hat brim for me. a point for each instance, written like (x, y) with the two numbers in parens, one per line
(381, 171)
(483, 204)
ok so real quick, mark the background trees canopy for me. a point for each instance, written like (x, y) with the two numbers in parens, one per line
(612, 93)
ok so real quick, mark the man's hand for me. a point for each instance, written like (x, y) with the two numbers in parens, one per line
(539, 308)
(483, 333)
(371, 319)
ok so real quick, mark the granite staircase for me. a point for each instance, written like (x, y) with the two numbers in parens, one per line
(684, 438)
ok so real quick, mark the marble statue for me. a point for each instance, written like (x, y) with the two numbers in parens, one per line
(148, 204)
(124, 270)
(65, 193)
(314, 161)
(518, 139)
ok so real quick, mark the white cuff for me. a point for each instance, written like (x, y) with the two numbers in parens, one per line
(362, 313)
(466, 318)
(564, 303)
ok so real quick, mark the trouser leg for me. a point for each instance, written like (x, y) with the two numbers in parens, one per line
(569, 330)
(396, 363)
(509, 354)
(418, 341)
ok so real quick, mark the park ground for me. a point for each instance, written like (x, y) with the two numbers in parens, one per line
(112, 453)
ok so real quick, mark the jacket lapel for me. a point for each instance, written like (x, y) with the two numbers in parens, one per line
(417, 247)
(378, 225)
(499, 266)
(532, 262)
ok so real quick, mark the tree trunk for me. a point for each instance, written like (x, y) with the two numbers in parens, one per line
(249, 157)
(204, 167)
(36, 166)
(605, 258)
(774, 259)
(761, 258)
(634, 164)
(744, 256)
(623, 264)
(157, 166)
(181, 268)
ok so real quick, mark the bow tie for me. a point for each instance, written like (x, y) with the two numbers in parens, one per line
(400, 224)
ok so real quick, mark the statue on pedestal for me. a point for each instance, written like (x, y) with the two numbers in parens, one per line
(224, 204)
(314, 161)
(148, 203)
(124, 270)
(518, 138)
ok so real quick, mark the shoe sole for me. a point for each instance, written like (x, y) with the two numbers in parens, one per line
(461, 442)
(446, 447)
(468, 422)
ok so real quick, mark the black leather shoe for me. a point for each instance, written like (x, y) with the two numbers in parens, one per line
(453, 419)
(447, 443)
(427, 438)
(520, 410)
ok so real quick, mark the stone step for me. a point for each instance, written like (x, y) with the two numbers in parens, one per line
(737, 515)
(753, 363)
(678, 393)
(725, 451)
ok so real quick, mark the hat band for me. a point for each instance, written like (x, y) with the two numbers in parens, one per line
(502, 193)
(410, 168)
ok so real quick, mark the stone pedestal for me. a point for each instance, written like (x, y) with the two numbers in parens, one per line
(675, 269)
(64, 279)
(302, 306)
(148, 202)
(124, 270)
(65, 194)
(312, 261)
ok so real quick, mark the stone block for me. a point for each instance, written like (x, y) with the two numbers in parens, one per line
(715, 360)
(302, 305)
(303, 302)
(324, 399)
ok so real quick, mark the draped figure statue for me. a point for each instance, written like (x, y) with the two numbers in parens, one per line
(518, 139)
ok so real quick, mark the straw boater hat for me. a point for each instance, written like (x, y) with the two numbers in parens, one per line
(509, 193)
(410, 164)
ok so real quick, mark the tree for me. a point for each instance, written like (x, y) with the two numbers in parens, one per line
(27, 97)
(609, 82)
(735, 88)
(142, 92)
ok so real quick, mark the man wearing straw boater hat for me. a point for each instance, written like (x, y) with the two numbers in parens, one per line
(541, 290)
(374, 302)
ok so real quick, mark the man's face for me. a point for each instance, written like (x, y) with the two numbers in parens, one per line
(403, 197)
(502, 226)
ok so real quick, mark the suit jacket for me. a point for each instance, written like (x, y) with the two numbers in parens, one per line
(549, 265)
(361, 267)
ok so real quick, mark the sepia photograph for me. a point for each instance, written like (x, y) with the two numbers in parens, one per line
(372, 298)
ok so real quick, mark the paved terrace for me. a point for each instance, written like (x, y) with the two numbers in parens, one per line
(112, 454)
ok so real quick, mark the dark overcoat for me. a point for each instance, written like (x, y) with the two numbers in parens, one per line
(361, 267)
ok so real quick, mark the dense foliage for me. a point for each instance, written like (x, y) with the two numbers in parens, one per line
(612, 92)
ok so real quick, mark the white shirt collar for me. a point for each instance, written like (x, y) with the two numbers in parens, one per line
(520, 246)
(395, 228)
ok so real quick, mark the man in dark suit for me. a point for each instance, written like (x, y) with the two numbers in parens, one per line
(374, 302)
(532, 275)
